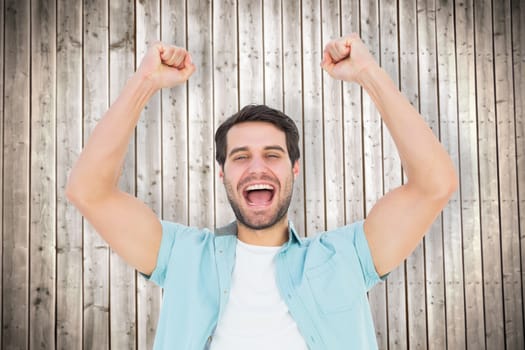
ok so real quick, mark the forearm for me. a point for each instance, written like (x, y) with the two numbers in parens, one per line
(98, 168)
(425, 161)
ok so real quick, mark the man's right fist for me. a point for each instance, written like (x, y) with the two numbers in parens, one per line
(166, 65)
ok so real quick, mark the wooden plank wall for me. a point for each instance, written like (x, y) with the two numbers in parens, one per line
(462, 63)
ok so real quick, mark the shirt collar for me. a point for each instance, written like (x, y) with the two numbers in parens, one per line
(231, 229)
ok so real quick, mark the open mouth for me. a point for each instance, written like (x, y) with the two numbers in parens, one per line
(259, 194)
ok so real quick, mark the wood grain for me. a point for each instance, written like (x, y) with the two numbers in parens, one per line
(333, 124)
(448, 119)
(506, 166)
(69, 121)
(314, 180)
(96, 250)
(293, 99)
(200, 111)
(225, 88)
(43, 176)
(518, 59)
(488, 177)
(16, 175)
(467, 132)
(149, 180)
(122, 286)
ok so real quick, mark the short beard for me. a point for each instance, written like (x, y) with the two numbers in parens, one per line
(281, 213)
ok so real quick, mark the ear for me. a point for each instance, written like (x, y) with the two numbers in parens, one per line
(295, 169)
(221, 173)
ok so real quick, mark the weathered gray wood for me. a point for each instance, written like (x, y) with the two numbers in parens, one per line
(1, 155)
(518, 46)
(251, 68)
(69, 144)
(392, 176)
(200, 111)
(435, 289)
(292, 99)
(149, 185)
(452, 239)
(174, 123)
(16, 175)
(122, 282)
(43, 177)
(506, 165)
(415, 264)
(96, 251)
(373, 167)
(313, 119)
(469, 182)
(225, 88)
(353, 138)
(488, 176)
(333, 125)
(272, 53)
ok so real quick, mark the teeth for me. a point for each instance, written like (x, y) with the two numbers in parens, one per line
(259, 187)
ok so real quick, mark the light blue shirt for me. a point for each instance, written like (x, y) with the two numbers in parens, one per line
(323, 280)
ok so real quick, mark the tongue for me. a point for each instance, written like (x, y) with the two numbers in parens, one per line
(259, 196)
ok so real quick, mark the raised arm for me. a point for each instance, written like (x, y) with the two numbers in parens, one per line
(128, 225)
(398, 221)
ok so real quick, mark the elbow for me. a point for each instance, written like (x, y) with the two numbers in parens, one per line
(439, 186)
(447, 185)
(73, 194)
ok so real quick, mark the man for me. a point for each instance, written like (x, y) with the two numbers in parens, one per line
(256, 284)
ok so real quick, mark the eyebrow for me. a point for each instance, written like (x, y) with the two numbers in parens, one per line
(245, 148)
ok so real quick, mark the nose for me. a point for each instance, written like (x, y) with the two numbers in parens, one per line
(257, 165)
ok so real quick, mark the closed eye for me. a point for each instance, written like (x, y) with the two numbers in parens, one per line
(240, 157)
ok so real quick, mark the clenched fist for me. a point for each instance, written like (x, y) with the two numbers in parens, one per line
(166, 65)
(345, 58)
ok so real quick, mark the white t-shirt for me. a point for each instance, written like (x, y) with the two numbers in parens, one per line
(256, 317)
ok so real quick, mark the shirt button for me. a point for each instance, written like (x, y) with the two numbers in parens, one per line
(226, 291)
(220, 251)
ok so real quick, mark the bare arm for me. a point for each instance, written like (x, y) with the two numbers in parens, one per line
(398, 221)
(128, 225)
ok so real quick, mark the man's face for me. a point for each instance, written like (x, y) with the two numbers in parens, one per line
(257, 174)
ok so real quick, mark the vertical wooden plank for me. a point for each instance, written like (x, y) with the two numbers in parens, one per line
(225, 88)
(415, 264)
(251, 69)
(16, 175)
(518, 54)
(372, 144)
(352, 128)
(69, 143)
(452, 239)
(122, 282)
(1, 158)
(333, 126)
(96, 251)
(174, 123)
(293, 97)
(43, 178)
(272, 54)
(466, 92)
(488, 176)
(508, 188)
(313, 120)
(148, 167)
(434, 239)
(200, 111)
(392, 176)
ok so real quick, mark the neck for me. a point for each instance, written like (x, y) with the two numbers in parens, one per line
(274, 236)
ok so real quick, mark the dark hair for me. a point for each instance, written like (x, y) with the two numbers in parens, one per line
(260, 113)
